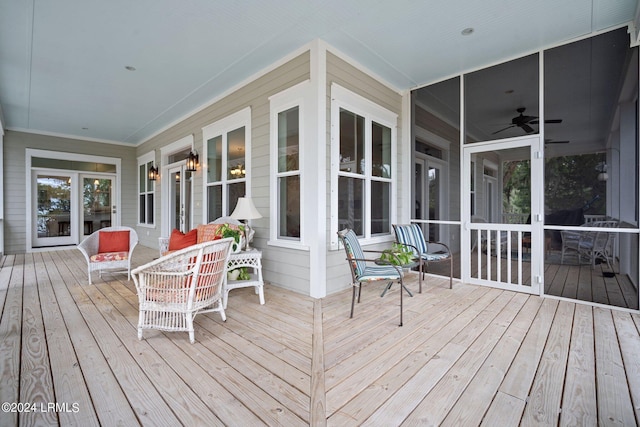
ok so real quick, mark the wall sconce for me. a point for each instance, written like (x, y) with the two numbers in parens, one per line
(192, 162)
(602, 168)
(153, 173)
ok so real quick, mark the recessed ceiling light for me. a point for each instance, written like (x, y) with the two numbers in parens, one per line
(130, 68)
(467, 31)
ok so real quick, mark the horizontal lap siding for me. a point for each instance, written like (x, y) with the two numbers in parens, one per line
(283, 267)
(15, 144)
(349, 77)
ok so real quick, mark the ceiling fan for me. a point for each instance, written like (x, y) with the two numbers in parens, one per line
(553, 141)
(524, 122)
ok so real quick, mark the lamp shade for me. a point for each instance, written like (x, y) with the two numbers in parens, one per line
(245, 209)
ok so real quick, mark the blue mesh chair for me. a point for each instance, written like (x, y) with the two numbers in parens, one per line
(367, 270)
(411, 235)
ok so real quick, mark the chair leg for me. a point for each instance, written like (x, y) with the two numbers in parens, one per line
(450, 272)
(401, 286)
(420, 275)
(353, 300)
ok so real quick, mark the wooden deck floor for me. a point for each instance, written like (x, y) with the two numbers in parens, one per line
(467, 356)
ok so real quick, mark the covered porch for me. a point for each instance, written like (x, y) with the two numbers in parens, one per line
(467, 356)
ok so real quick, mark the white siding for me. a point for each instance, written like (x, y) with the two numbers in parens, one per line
(349, 77)
(283, 267)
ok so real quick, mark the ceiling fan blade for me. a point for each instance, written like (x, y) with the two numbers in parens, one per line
(527, 128)
(557, 142)
(508, 127)
(535, 122)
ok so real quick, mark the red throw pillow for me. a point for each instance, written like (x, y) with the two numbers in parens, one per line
(113, 241)
(179, 240)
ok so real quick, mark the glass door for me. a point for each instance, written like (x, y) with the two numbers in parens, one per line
(55, 220)
(180, 187)
(98, 203)
(429, 196)
(501, 245)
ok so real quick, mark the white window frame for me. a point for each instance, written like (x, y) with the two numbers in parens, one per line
(144, 160)
(342, 98)
(283, 101)
(221, 128)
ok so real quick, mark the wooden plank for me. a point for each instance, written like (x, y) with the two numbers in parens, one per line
(449, 360)
(109, 400)
(478, 396)
(614, 400)
(412, 395)
(218, 392)
(579, 399)
(442, 398)
(543, 405)
(629, 341)
(584, 292)
(504, 411)
(69, 386)
(519, 377)
(395, 371)
(36, 384)
(143, 397)
(354, 375)
(318, 403)
(10, 332)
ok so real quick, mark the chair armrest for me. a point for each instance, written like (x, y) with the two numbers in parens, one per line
(438, 247)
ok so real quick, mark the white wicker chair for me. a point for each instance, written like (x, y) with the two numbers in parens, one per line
(174, 288)
(120, 261)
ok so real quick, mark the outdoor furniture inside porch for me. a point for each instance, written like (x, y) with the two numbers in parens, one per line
(366, 270)
(411, 236)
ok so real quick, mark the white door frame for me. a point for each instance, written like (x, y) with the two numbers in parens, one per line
(507, 230)
(184, 143)
(31, 202)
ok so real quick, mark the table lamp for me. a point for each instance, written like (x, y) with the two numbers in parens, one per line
(244, 211)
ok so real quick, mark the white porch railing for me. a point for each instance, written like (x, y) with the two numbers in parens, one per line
(501, 253)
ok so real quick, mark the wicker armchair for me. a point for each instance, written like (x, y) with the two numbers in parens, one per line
(174, 288)
(101, 256)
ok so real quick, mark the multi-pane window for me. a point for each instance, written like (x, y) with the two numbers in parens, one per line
(146, 191)
(227, 162)
(288, 174)
(365, 188)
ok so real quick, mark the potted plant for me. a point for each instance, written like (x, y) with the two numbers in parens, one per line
(400, 255)
(226, 230)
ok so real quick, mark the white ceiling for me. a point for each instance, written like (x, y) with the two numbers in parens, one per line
(62, 62)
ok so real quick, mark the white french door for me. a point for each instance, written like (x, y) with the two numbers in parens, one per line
(500, 253)
(98, 203)
(70, 206)
(55, 217)
(430, 195)
(180, 195)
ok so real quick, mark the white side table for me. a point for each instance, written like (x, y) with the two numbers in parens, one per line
(251, 259)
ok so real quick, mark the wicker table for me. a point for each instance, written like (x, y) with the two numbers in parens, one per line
(252, 260)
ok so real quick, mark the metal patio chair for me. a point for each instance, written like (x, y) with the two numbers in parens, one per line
(365, 270)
